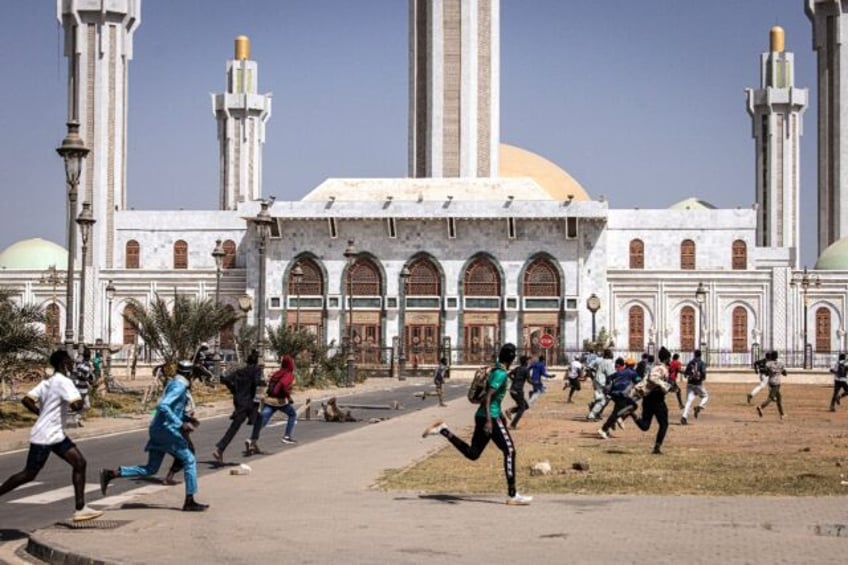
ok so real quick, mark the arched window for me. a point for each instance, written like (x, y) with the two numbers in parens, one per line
(229, 261)
(541, 279)
(132, 255)
(823, 343)
(365, 278)
(687, 329)
(637, 254)
(180, 254)
(424, 279)
(740, 330)
(51, 326)
(312, 282)
(636, 328)
(130, 335)
(482, 279)
(739, 255)
(687, 255)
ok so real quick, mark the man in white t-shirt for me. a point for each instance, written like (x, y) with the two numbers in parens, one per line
(51, 401)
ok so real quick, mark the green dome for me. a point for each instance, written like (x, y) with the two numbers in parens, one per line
(835, 257)
(33, 254)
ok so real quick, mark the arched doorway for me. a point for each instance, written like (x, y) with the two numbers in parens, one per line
(541, 307)
(421, 313)
(481, 313)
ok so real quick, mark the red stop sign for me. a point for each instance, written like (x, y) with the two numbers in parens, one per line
(546, 341)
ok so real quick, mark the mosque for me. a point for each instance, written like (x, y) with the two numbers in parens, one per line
(481, 244)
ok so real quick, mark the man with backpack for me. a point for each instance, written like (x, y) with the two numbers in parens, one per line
(490, 424)
(840, 381)
(278, 397)
(242, 384)
(618, 390)
(696, 373)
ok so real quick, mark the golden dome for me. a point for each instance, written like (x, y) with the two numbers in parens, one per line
(778, 39)
(517, 162)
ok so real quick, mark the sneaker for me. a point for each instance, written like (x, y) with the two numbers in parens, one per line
(519, 500)
(591, 418)
(106, 476)
(683, 421)
(759, 412)
(248, 447)
(218, 457)
(698, 411)
(194, 506)
(603, 434)
(620, 423)
(86, 513)
(435, 429)
(657, 450)
(288, 440)
(750, 398)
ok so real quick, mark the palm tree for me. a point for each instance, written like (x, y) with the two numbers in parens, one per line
(176, 331)
(23, 342)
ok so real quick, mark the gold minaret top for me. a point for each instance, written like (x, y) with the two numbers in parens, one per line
(243, 48)
(778, 39)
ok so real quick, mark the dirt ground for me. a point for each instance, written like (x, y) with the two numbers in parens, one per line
(728, 450)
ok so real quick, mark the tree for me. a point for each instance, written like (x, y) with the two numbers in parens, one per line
(176, 331)
(22, 337)
(313, 366)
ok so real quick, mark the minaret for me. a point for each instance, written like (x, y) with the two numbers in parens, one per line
(241, 114)
(776, 110)
(454, 74)
(828, 18)
(99, 47)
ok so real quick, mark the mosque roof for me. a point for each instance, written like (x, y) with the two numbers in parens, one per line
(835, 257)
(35, 253)
(692, 204)
(525, 176)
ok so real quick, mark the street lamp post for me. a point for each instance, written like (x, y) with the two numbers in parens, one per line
(262, 221)
(85, 220)
(701, 298)
(218, 255)
(297, 275)
(72, 151)
(404, 281)
(350, 255)
(804, 282)
(110, 296)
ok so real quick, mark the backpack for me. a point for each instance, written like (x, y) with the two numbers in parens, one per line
(693, 372)
(479, 384)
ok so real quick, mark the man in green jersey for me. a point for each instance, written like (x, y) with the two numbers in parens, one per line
(490, 424)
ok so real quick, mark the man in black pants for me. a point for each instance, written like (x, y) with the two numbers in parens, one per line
(519, 376)
(653, 404)
(242, 383)
(490, 424)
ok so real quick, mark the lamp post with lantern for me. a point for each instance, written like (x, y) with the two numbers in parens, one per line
(350, 254)
(110, 296)
(262, 222)
(73, 151)
(85, 220)
(218, 254)
(803, 282)
(405, 273)
(297, 275)
(701, 299)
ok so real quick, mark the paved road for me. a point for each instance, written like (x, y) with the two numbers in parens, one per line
(50, 498)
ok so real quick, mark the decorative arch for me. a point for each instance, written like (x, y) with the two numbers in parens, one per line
(312, 283)
(542, 278)
(132, 255)
(180, 254)
(739, 255)
(739, 325)
(824, 331)
(482, 278)
(424, 278)
(229, 261)
(637, 254)
(687, 255)
(366, 278)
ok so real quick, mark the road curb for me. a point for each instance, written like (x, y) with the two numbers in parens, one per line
(54, 553)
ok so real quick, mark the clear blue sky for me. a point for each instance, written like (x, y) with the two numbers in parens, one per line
(641, 101)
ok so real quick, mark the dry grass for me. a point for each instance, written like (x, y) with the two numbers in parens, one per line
(729, 450)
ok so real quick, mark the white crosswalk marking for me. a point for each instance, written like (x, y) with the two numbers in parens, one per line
(119, 499)
(54, 495)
